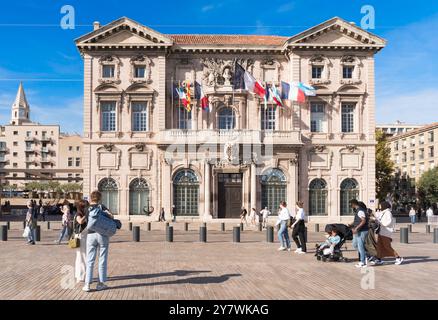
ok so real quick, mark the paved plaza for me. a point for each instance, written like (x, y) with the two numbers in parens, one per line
(218, 269)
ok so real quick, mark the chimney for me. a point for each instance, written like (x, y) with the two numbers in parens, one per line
(96, 25)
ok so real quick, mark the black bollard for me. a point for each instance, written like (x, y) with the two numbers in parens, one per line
(269, 234)
(48, 225)
(38, 233)
(186, 226)
(316, 227)
(410, 228)
(223, 226)
(427, 228)
(148, 226)
(136, 234)
(435, 235)
(236, 234)
(404, 235)
(8, 224)
(203, 234)
(4, 233)
(169, 234)
(241, 227)
(130, 226)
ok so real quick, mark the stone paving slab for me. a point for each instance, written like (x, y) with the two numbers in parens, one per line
(218, 269)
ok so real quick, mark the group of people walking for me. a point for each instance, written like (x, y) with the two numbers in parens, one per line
(254, 217)
(295, 221)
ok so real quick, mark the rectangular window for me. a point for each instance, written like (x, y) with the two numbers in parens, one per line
(15, 133)
(28, 146)
(70, 148)
(28, 133)
(108, 116)
(268, 118)
(139, 116)
(108, 71)
(78, 162)
(396, 146)
(317, 117)
(404, 157)
(140, 71)
(317, 72)
(347, 72)
(431, 152)
(431, 136)
(412, 155)
(404, 144)
(413, 142)
(421, 139)
(347, 117)
(2, 145)
(184, 118)
(421, 154)
(78, 148)
(15, 154)
(70, 162)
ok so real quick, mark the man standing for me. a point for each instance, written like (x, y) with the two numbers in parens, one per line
(265, 214)
(360, 231)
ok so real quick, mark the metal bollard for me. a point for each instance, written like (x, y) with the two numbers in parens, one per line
(136, 234)
(222, 226)
(410, 228)
(130, 226)
(316, 227)
(169, 234)
(38, 233)
(148, 226)
(435, 235)
(269, 234)
(404, 235)
(4, 233)
(48, 225)
(241, 227)
(427, 228)
(8, 224)
(236, 234)
(203, 234)
(186, 226)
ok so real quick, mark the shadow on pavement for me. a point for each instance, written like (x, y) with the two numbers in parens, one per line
(178, 273)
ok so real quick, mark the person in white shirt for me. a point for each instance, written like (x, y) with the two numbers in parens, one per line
(299, 229)
(429, 212)
(265, 214)
(412, 215)
(384, 238)
(252, 216)
(282, 223)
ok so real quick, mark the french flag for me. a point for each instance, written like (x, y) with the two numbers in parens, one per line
(244, 80)
(182, 96)
(292, 92)
(199, 94)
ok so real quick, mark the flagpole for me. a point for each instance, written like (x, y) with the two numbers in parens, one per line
(232, 87)
(173, 89)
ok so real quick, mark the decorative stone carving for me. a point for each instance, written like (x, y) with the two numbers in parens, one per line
(231, 152)
(319, 148)
(219, 72)
(320, 61)
(143, 61)
(294, 159)
(351, 148)
(140, 147)
(108, 147)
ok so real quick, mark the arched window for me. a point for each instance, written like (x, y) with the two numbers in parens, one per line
(227, 119)
(110, 194)
(318, 198)
(349, 190)
(186, 193)
(273, 189)
(138, 197)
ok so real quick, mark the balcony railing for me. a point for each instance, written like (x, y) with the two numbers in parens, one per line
(45, 139)
(29, 138)
(177, 136)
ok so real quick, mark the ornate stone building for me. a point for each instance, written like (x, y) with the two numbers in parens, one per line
(143, 150)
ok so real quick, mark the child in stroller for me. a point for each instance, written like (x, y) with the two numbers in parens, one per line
(330, 250)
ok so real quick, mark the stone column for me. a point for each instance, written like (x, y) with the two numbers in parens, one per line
(293, 171)
(207, 191)
(253, 186)
(166, 188)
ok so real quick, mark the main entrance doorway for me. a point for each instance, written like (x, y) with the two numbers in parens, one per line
(229, 195)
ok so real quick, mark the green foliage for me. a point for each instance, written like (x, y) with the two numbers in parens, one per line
(428, 186)
(384, 166)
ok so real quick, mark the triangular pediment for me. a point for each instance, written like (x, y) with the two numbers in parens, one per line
(124, 31)
(336, 32)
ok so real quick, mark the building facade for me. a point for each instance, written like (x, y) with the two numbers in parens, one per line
(31, 151)
(70, 157)
(413, 153)
(397, 128)
(144, 151)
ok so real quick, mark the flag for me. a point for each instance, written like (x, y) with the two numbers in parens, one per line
(182, 97)
(285, 89)
(244, 80)
(199, 94)
(275, 95)
(267, 96)
(308, 90)
(189, 95)
(292, 92)
(238, 79)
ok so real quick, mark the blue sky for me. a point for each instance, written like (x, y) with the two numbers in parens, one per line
(37, 51)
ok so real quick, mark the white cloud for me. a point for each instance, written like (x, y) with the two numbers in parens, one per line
(208, 7)
(286, 7)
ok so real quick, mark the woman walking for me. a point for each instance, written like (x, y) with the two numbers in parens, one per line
(66, 219)
(79, 228)
(384, 238)
(243, 214)
(253, 216)
(31, 223)
(299, 229)
(282, 223)
(412, 215)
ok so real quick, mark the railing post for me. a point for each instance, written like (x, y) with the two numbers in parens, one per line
(186, 226)
(148, 226)
(203, 234)
(38, 233)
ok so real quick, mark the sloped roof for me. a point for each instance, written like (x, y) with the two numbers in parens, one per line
(20, 99)
(220, 39)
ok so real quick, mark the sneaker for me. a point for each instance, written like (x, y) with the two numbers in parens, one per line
(57, 242)
(360, 265)
(298, 250)
(301, 252)
(101, 286)
(376, 262)
(281, 249)
(86, 288)
(288, 249)
(398, 261)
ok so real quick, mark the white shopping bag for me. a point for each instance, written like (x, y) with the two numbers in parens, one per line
(26, 232)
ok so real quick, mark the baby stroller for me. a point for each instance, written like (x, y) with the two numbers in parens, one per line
(345, 233)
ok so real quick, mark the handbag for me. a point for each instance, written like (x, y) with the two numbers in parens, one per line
(26, 232)
(74, 242)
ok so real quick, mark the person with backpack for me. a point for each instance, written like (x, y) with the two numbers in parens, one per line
(95, 240)
(80, 230)
(360, 230)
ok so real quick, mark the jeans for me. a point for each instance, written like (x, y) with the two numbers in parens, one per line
(95, 240)
(283, 236)
(62, 234)
(359, 244)
(32, 234)
(412, 219)
(298, 233)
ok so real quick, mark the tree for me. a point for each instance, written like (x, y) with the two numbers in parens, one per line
(428, 187)
(384, 166)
